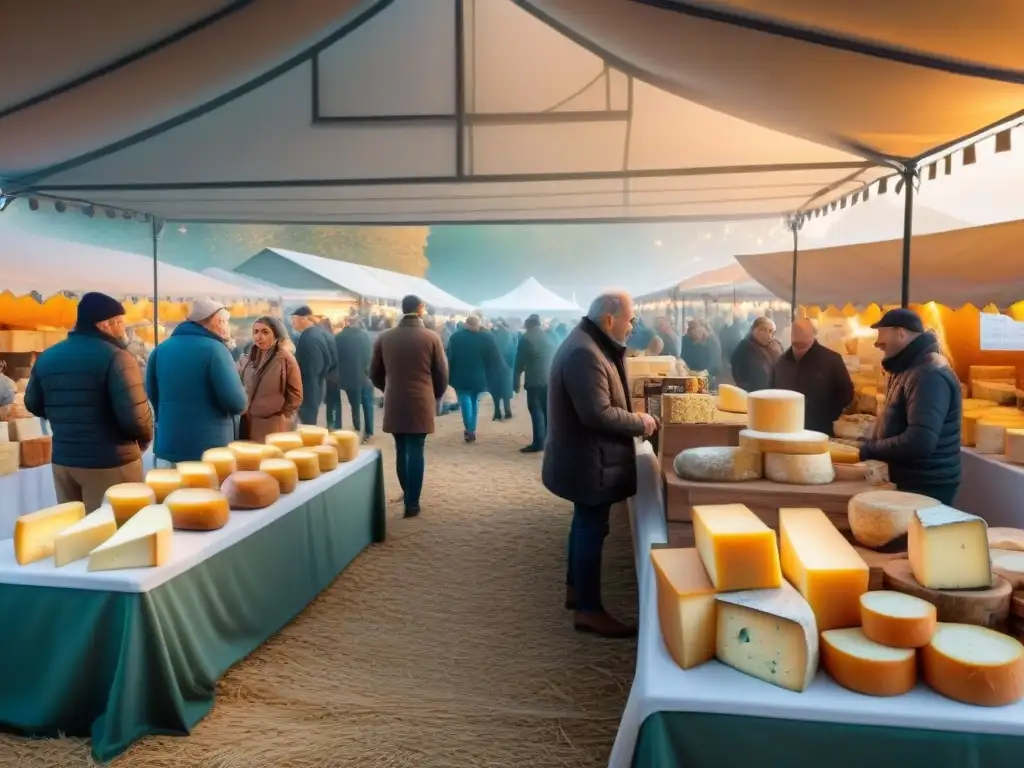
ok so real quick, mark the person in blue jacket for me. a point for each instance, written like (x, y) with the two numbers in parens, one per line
(195, 389)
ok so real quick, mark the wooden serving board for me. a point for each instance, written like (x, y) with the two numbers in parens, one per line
(981, 607)
(875, 561)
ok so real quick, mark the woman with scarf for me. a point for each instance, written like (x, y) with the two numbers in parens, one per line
(272, 381)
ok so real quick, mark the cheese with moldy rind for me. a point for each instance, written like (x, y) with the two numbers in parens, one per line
(686, 606)
(732, 398)
(948, 549)
(775, 410)
(142, 542)
(223, 460)
(878, 517)
(974, 665)
(247, 456)
(803, 443)
(996, 392)
(311, 435)
(285, 441)
(35, 532)
(198, 474)
(769, 634)
(198, 509)
(719, 464)
(348, 444)
(162, 481)
(83, 537)
(738, 550)
(860, 664)
(813, 469)
(327, 455)
(1013, 445)
(283, 471)
(306, 462)
(896, 619)
(125, 499)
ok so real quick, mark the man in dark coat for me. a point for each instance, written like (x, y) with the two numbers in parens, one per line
(354, 350)
(668, 336)
(90, 389)
(317, 357)
(818, 373)
(918, 434)
(590, 455)
(500, 380)
(753, 361)
(408, 365)
(533, 365)
(474, 360)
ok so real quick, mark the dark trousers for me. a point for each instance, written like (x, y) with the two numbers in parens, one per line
(537, 405)
(586, 542)
(361, 400)
(410, 466)
(502, 402)
(332, 401)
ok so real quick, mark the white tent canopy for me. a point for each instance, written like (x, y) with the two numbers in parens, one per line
(431, 111)
(285, 294)
(530, 296)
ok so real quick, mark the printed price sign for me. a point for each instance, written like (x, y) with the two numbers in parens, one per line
(1000, 333)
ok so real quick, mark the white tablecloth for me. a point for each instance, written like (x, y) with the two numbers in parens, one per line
(189, 548)
(660, 685)
(992, 489)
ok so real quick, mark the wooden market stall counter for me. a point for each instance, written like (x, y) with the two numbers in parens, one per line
(991, 488)
(118, 655)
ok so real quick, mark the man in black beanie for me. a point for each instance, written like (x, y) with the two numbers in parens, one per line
(90, 389)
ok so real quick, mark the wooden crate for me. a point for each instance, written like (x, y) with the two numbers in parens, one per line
(674, 438)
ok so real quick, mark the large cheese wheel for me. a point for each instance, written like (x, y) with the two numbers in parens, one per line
(896, 619)
(878, 517)
(348, 444)
(990, 434)
(223, 460)
(802, 443)
(250, 490)
(247, 455)
(1006, 538)
(327, 455)
(1013, 446)
(775, 410)
(306, 462)
(856, 662)
(283, 471)
(125, 499)
(198, 474)
(1010, 565)
(732, 399)
(974, 665)
(718, 464)
(311, 435)
(163, 481)
(815, 469)
(198, 509)
(332, 441)
(285, 441)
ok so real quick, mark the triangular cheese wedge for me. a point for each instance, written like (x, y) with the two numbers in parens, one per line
(83, 537)
(142, 542)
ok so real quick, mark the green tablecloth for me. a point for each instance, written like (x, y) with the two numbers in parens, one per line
(698, 740)
(119, 666)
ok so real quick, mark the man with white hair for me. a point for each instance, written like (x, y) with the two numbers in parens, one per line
(590, 453)
(817, 372)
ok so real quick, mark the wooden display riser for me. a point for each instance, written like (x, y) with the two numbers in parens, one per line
(675, 438)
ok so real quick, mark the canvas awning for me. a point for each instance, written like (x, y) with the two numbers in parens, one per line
(432, 111)
(530, 296)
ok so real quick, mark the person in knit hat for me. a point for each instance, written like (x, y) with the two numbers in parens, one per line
(90, 389)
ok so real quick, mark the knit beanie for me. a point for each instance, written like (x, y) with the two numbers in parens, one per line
(95, 308)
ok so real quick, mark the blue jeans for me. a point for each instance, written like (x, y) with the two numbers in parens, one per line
(468, 405)
(410, 466)
(361, 399)
(586, 542)
(332, 401)
(537, 405)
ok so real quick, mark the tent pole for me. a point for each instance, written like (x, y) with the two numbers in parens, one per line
(909, 175)
(156, 227)
(794, 223)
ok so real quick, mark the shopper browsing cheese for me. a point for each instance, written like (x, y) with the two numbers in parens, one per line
(755, 356)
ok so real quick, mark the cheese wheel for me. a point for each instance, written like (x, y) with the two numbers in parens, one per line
(348, 444)
(815, 469)
(969, 421)
(1013, 446)
(974, 665)
(1009, 565)
(247, 456)
(125, 499)
(283, 471)
(878, 517)
(306, 462)
(35, 533)
(843, 454)
(718, 464)
(896, 619)
(198, 509)
(272, 452)
(327, 455)
(990, 434)
(163, 481)
(223, 460)
(332, 441)
(1006, 538)
(285, 441)
(311, 435)
(856, 662)
(802, 443)
(250, 490)
(732, 399)
(198, 474)
(775, 410)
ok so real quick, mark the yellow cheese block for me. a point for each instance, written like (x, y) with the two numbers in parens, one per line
(843, 454)
(198, 474)
(348, 444)
(897, 620)
(948, 549)
(811, 469)
(223, 460)
(805, 442)
(311, 435)
(306, 462)
(1013, 445)
(286, 441)
(198, 509)
(686, 606)
(737, 549)
(125, 499)
(990, 434)
(283, 471)
(35, 532)
(718, 464)
(823, 566)
(142, 542)
(878, 517)
(732, 399)
(163, 481)
(974, 665)
(687, 408)
(327, 455)
(247, 456)
(860, 664)
(251, 490)
(83, 537)
(775, 411)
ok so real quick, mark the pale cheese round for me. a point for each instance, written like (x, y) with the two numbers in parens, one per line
(223, 460)
(974, 665)
(125, 499)
(312, 436)
(878, 517)
(198, 474)
(860, 664)
(283, 471)
(775, 410)
(247, 455)
(348, 444)
(990, 434)
(285, 441)
(969, 421)
(1006, 538)
(802, 443)
(896, 619)
(198, 509)
(813, 469)
(718, 464)
(250, 490)
(163, 481)
(1010, 565)
(306, 462)
(732, 399)
(1014, 445)
(327, 455)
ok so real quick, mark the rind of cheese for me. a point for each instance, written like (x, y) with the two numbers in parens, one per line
(840, 453)
(969, 421)
(687, 408)
(738, 550)
(283, 471)
(769, 634)
(878, 517)
(990, 434)
(1013, 445)
(348, 444)
(125, 499)
(823, 566)
(250, 490)
(247, 456)
(35, 532)
(687, 611)
(948, 549)
(775, 411)
(994, 391)
(1009, 565)
(718, 464)
(83, 537)
(860, 664)
(812, 469)
(311, 435)
(732, 398)
(804, 443)
(896, 619)
(198, 474)
(142, 542)
(306, 462)
(327, 455)
(285, 441)
(974, 665)
(198, 509)
(223, 460)
(162, 481)
(1006, 538)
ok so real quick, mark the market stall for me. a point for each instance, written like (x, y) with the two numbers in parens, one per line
(527, 298)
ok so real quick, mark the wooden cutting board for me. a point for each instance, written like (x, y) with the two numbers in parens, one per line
(875, 561)
(981, 607)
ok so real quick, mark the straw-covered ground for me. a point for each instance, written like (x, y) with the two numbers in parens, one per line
(446, 647)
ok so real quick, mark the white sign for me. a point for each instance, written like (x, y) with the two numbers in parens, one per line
(1000, 333)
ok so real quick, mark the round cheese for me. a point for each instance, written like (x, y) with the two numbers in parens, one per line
(223, 460)
(163, 481)
(896, 619)
(348, 444)
(732, 399)
(969, 421)
(198, 474)
(814, 469)
(285, 441)
(311, 435)
(198, 509)
(250, 490)
(802, 443)
(775, 410)
(247, 456)
(327, 455)
(283, 471)
(718, 464)
(862, 665)
(272, 452)
(125, 499)
(990, 434)
(1010, 565)
(843, 454)
(306, 462)
(878, 517)
(1014, 445)
(1006, 538)
(974, 665)
(332, 441)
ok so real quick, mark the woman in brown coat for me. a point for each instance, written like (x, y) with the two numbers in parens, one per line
(272, 381)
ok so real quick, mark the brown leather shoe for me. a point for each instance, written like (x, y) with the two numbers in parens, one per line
(602, 624)
(570, 598)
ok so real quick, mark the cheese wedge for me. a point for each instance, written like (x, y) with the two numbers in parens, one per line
(1006, 538)
(862, 665)
(247, 456)
(285, 441)
(306, 462)
(198, 509)
(348, 444)
(814, 469)
(283, 471)
(879, 517)
(311, 435)
(83, 537)
(896, 619)
(198, 474)
(948, 549)
(223, 460)
(125, 499)
(35, 532)
(251, 490)
(737, 549)
(142, 542)
(162, 481)
(843, 454)
(775, 411)
(803, 443)
(687, 610)
(732, 399)
(718, 464)
(823, 566)
(974, 665)
(327, 456)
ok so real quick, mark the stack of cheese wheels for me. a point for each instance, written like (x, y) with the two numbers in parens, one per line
(348, 444)
(792, 454)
